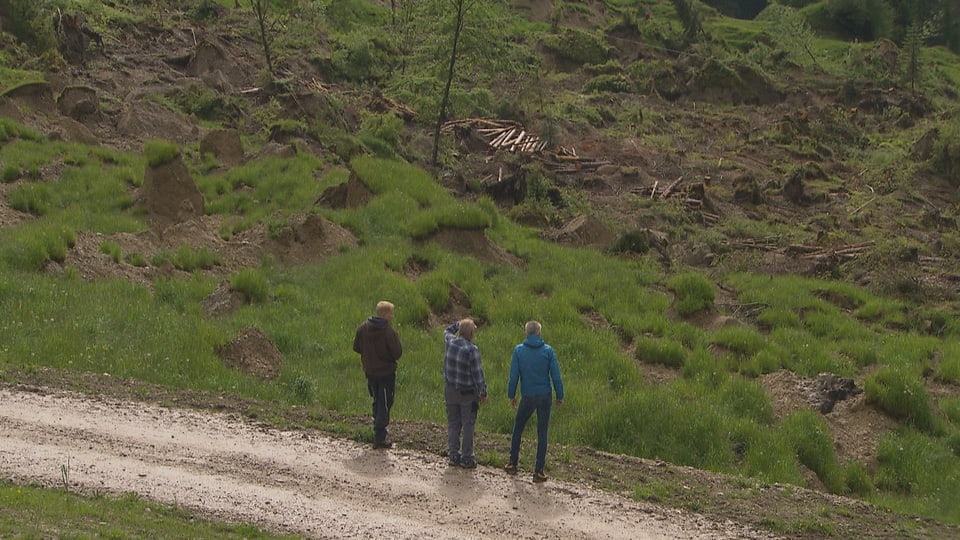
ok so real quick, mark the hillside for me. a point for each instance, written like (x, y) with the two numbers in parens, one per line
(586, 126)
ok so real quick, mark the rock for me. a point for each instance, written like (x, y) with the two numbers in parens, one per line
(79, 103)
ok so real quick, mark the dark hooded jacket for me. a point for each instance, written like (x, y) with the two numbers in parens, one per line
(379, 347)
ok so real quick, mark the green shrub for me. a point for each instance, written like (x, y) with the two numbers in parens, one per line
(693, 293)
(206, 103)
(902, 395)
(862, 19)
(360, 57)
(253, 283)
(303, 388)
(112, 249)
(813, 444)
(660, 351)
(9, 174)
(159, 152)
(747, 400)
(910, 463)
(136, 259)
(188, 259)
(577, 46)
(31, 198)
(608, 83)
(741, 340)
(386, 127)
(857, 479)
(946, 151)
(631, 242)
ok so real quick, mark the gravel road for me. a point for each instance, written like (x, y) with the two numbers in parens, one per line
(305, 483)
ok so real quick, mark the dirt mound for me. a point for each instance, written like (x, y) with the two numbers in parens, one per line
(223, 144)
(457, 308)
(855, 425)
(252, 352)
(170, 195)
(351, 194)
(474, 243)
(584, 231)
(310, 238)
(223, 301)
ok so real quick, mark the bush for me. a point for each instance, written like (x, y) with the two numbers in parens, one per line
(578, 47)
(747, 400)
(29, 22)
(740, 340)
(660, 351)
(303, 389)
(253, 283)
(902, 395)
(692, 291)
(946, 152)
(160, 152)
(112, 249)
(862, 19)
(631, 242)
(858, 479)
(31, 198)
(608, 83)
(813, 444)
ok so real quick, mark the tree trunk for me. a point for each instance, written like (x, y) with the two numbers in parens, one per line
(442, 116)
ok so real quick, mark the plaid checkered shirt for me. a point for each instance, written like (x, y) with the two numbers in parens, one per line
(461, 362)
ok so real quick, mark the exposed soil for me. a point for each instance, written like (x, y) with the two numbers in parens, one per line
(304, 482)
(238, 459)
(229, 466)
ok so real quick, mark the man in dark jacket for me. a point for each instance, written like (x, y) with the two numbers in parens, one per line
(535, 368)
(379, 347)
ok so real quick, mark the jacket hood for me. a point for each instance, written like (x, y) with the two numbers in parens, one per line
(379, 322)
(534, 341)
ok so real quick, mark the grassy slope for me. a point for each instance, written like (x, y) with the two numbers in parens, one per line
(310, 312)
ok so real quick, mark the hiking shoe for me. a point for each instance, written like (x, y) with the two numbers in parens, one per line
(510, 468)
(468, 463)
(539, 476)
(382, 445)
(453, 462)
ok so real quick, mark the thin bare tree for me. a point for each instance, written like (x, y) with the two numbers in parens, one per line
(461, 9)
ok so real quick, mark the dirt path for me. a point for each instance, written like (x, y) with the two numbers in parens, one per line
(304, 483)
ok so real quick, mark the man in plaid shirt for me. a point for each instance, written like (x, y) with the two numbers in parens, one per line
(464, 392)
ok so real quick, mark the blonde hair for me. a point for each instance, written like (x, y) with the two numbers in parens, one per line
(532, 327)
(384, 308)
(468, 328)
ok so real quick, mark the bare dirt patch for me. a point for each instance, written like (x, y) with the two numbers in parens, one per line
(305, 482)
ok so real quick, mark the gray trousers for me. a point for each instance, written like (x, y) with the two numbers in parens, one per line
(461, 419)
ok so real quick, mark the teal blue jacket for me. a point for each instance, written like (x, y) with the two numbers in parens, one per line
(534, 366)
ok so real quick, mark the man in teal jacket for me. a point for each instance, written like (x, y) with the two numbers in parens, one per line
(535, 367)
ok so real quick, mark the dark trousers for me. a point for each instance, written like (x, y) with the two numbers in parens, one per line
(381, 389)
(526, 408)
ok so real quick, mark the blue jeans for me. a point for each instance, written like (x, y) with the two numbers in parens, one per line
(529, 404)
(462, 410)
(382, 390)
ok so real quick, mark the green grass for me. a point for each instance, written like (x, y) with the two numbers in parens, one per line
(714, 416)
(33, 512)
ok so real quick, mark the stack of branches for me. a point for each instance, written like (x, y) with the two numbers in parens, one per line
(693, 196)
(845, 252)
(802, 250)
(566, 161)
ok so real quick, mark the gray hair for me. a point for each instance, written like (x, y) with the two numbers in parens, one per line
(532, 327)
